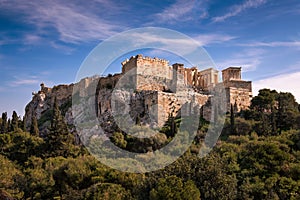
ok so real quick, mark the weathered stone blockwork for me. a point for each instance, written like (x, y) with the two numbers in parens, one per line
(159, 91)
(238, 92)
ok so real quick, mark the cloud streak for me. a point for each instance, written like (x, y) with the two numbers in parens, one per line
(272, 44)
(176, 11)
(249, 60)
(27, 80)
(182, 11)
(207, 39)
(169, 42)
(72, 22)
(22, 82)
(237, 9)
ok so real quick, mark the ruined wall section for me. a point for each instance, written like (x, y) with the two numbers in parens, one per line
(154, 107)
(239, 94)
(148, 73)
(207, 79)
(160, 90)
(231, 73)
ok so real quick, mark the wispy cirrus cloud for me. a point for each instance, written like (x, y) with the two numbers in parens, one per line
(174, 42)
(207, 39)
(175, 11)
(272, 44)
(27, 80)
(73, 22)
(248, 59)
(182, 10)
(16, 83)
(237, 9)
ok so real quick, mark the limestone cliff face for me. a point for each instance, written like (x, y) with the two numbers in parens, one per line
(96, 98)
(148, 91)
(42, 103)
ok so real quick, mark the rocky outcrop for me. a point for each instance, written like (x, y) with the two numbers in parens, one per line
(42, 103)
(148, 91)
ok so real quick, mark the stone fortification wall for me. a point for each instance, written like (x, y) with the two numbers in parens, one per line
(158, 90)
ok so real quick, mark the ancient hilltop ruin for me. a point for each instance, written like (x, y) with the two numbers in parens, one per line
(150, 89)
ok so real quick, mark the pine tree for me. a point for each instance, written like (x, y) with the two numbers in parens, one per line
(4, 127)
(34, 129)
(232, 120)
(24, 128)
(8, 125)
(59, 139)
(14, 121)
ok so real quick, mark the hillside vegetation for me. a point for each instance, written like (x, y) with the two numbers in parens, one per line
(256, 157)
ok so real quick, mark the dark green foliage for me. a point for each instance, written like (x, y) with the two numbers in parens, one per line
(10, 176)
(264, 101)
(14, 121)
(275, 112)
(172, 187)
(4, 123)
(34, 129)
(261, 160)
(287, 111)
(232, 120)
(107, 191)
(46, 116)
(19, 146)
(8, 125)
(65, 106)
(119, 140)
(23, 124)
(59, 140)
(143, 145)
(171, 126)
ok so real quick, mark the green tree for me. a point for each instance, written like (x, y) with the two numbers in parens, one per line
(287, 111)
(264, 101)
(215, 177)
(107, 191)
(118, 139)
(8, 125)
(232, 120)
(171, 126)
(59, 141)
(14, 121)
(10, 179)
(39, 181)
(24, 128)
(4, 125)
(264, 110)
(172, 188)
(19, 146)
(34, 129)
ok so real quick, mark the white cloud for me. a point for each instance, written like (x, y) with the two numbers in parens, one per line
(284, 83)
(32, 39)
(272, 44)
(237, 9)
(25, 80)
(248, 59)
(75, 23)
(206, 39)
(175, 11)
(22, 82)
(64, 48)
(181, 11)
(173, 41)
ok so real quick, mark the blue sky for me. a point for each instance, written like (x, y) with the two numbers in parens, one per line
(46, 41)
